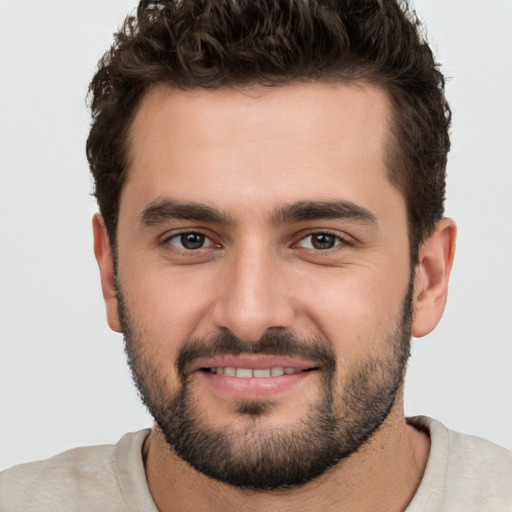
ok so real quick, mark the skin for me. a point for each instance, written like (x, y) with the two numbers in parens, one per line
(247, 153)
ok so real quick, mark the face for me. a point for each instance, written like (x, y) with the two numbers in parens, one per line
(264, 276)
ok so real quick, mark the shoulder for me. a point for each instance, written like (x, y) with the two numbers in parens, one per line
(481, 468)
(465, 470)
(78, 479)
(472, 458)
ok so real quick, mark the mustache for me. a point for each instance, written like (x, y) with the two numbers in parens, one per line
(271, 343)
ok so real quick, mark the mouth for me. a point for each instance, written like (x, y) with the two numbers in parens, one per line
(253, 377)
(248, 373)
(248, 366)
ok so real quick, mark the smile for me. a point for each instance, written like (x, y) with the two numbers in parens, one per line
(247, 373)
(262, 381)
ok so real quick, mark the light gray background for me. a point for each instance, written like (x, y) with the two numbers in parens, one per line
(63, 378)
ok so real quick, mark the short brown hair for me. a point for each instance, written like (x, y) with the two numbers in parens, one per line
(215, 43)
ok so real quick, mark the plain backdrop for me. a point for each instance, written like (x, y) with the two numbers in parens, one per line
(63, 376)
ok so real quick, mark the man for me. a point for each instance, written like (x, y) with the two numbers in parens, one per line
(270, 178)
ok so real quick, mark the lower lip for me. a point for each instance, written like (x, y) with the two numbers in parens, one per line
(253, 388)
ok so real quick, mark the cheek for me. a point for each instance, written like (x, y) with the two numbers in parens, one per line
(358, 309)
(169, 304)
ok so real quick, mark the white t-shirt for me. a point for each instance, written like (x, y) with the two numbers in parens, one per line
(463, 474)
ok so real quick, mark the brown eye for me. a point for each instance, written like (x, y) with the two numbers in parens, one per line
(190, 241)
(323, 241)
(320, 241)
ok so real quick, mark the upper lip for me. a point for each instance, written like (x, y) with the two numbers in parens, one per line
(253, 362)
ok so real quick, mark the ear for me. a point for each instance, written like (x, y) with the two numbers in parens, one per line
(106, 266)
(431, 279)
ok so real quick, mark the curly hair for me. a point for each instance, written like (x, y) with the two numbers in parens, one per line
(216, 43)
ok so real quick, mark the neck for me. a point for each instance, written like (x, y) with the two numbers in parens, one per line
(384, 474)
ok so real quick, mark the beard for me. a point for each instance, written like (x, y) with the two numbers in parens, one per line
(267, 457)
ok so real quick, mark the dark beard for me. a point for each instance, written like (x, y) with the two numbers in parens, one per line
(266, 458)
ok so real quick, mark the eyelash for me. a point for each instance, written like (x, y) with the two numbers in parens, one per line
(175, 236)
(339, 240)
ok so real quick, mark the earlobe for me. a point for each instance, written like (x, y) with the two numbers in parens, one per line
(432, 275)
(106, 267)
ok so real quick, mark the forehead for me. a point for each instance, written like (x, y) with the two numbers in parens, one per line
(242, 146)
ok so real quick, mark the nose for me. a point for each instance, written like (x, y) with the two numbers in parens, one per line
(253, 297)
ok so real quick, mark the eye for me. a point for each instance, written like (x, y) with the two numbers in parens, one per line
(190, 241)
(320, 241)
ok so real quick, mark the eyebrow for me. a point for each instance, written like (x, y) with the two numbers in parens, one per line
(316, 210)
(163, 209)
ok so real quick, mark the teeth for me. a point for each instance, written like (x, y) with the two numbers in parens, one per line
(246, 373)
(261, 373)
(231, 372)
